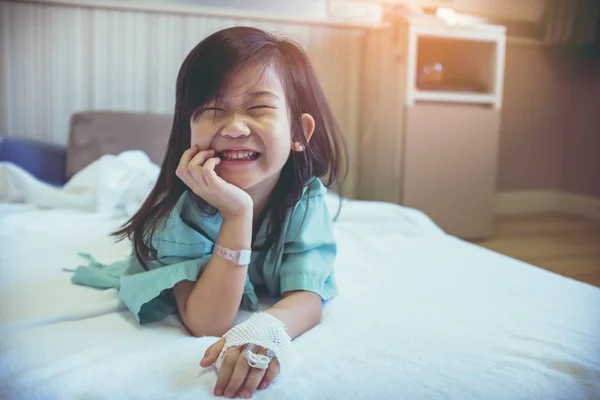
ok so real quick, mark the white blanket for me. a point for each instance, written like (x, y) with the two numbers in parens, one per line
(420, 315)
(111, 184)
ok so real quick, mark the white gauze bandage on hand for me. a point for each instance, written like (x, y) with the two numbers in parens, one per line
(261, 329)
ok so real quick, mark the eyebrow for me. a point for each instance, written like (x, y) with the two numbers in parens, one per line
(261, 93)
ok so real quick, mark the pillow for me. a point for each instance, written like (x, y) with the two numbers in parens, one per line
(44, 161)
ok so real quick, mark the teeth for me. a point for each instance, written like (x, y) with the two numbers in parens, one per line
(238, 155)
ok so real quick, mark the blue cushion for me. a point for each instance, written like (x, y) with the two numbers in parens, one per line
(46, 162)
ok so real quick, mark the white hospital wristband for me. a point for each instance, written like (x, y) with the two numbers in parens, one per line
(239, 257)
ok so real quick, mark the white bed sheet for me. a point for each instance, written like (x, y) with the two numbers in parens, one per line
(420, 315)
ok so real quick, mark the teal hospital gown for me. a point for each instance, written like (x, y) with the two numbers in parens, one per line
(184, 246)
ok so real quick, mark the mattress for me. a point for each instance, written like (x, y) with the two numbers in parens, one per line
(420, 315)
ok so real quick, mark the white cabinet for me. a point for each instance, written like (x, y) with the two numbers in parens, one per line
(472, 58)
(450, 166)
(437, 149)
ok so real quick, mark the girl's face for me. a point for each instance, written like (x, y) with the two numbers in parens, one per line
(249, 131)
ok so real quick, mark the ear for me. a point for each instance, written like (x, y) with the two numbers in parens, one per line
(308, 127)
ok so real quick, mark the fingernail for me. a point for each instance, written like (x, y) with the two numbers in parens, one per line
(218, 392)
(244, 395)
(229, 395)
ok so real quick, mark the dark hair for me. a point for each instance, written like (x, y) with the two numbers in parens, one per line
(203, 77)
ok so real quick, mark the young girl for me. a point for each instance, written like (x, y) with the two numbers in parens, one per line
(238, 206)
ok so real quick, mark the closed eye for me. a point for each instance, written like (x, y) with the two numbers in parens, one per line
(261, 106)
(214, 109)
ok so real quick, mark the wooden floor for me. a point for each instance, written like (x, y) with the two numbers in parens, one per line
(563, 244)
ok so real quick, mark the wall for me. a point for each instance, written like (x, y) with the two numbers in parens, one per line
(581, 135)
(550, 135)
(532, 120)
(381, 119)
(56, 60)
(301, 9)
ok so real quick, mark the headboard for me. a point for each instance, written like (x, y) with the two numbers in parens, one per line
(95, 133)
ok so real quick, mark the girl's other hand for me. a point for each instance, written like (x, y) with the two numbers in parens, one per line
(197, 170)
(236, 377)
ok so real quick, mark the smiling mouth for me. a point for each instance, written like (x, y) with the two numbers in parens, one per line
(238, 155)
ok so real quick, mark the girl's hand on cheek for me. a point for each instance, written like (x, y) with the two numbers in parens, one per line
(197, 170)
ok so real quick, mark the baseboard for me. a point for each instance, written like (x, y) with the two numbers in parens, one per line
(539, 201)
(527, 202)
(581, 205)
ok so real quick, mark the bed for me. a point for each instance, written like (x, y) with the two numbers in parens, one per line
(420, 314)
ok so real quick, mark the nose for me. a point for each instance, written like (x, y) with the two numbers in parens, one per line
(235, 128)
